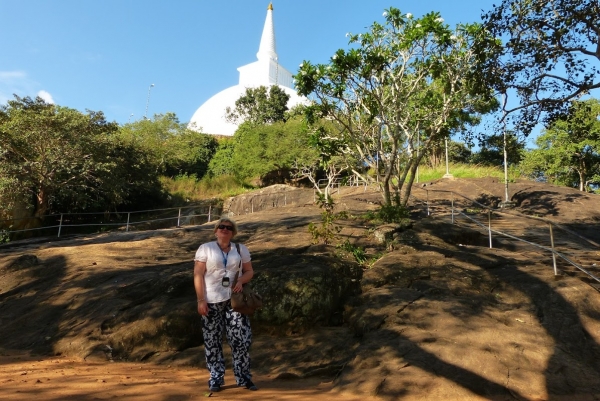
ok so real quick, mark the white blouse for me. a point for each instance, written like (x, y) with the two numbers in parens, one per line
(220, 264)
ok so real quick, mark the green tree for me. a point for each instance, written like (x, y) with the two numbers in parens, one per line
(49, 152)
(402, 87)
(568, 150)
(546, 54)
(458, 152)
(270, 149)
(327, 160)
(221, 163)
(491, 151)
(192, 153)
(133, 183)
(259, 106)
(170, 146)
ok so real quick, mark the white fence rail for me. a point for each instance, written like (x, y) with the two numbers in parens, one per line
(538, 232)
(77, 223)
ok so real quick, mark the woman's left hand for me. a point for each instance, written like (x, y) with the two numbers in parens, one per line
(238, 287)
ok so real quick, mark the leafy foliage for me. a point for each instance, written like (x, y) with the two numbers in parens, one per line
(170, 146)
(392, 213)
(260, 106)
(388, 214)
(569, 148)
(221, 163)
(327, 230)
(546, 54)
(183, 189)
(491, 152)
(401, 87)
(458, 152)
(50, 153)
(260, 149)
(133, 181)
(357, 252)
(326, 157)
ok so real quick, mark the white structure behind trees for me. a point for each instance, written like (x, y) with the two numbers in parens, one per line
(266, 71)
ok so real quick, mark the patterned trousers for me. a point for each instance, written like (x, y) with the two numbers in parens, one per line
(221, 318)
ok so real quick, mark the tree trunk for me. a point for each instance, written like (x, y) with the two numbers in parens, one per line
(582, 173)
(41, 206)
(411, 180)
(387, 195)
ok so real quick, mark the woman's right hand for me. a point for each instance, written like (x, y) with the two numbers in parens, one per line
(203, 308)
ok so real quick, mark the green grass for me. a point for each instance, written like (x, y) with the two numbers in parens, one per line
(466, 171)
(189, 189)
(192, 190)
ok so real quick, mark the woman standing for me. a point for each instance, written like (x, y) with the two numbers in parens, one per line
(215, 266)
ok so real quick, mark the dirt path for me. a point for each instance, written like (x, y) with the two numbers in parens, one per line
(23, 377)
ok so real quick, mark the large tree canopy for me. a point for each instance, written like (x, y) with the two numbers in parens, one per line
(49, 152)
(398, 90)
(547, 52)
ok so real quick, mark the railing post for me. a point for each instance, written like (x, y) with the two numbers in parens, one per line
(452, 207)
(209, 212)
(128, 215)
(252, 205)
(285, 199)
(60, 225)
(552, 247)
(427, 192)
(490, 226)
(179, 218)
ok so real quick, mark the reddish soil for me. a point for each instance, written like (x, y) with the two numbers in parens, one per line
(25, 378)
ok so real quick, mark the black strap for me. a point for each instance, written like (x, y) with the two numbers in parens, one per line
(240, 267)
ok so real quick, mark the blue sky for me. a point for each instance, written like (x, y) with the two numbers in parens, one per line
(104, 55)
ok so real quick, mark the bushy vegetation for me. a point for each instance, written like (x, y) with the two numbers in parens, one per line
(327, 230)
(184, 188)
(384, 111)
(55, 160)
(387, 214)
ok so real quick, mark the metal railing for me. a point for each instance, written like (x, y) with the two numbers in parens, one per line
(255, 202)
(350, 181)
(460, 205)
(79, 223)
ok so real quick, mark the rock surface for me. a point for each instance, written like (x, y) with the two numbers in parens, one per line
(433, 314)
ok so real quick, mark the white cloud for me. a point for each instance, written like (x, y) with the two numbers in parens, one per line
(12, 76)
(46, 96)
(19, 83)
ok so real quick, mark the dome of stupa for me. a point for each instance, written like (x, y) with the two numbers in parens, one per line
(266, 71)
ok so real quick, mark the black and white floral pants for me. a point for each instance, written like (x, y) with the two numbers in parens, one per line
(222, 318)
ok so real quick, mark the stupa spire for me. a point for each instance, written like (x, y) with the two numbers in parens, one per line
(265, 71)
(267, 48)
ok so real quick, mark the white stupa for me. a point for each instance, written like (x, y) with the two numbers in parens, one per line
(266, 71)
